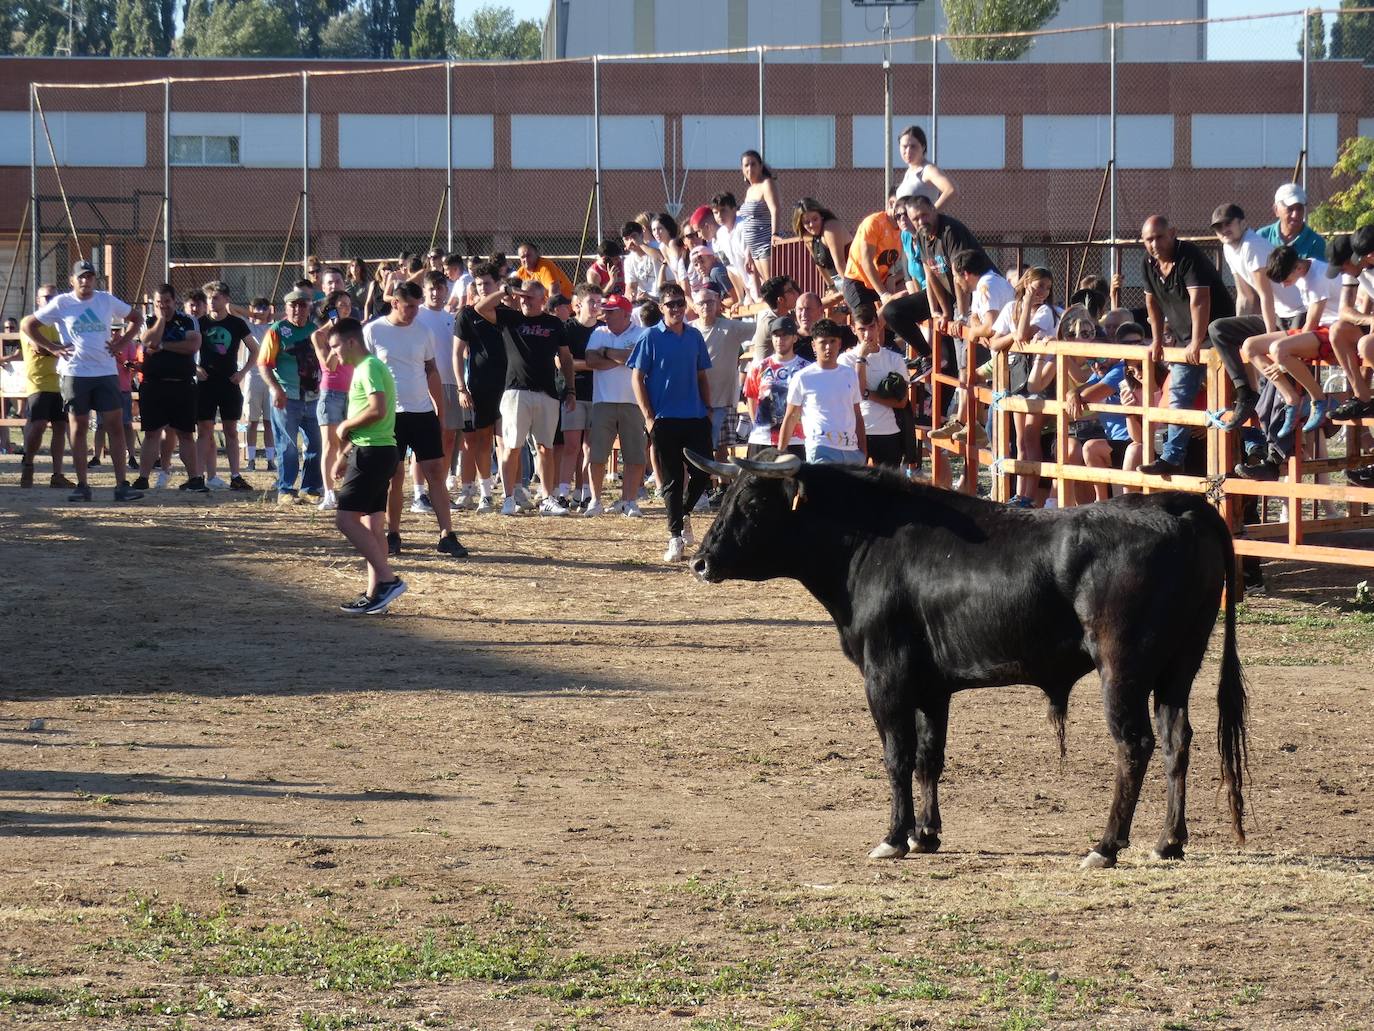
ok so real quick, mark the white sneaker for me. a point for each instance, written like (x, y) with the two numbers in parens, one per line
(329, 503)
(551, 507)
(688, 537)
(485, 506)
(594, 508)
(617, 508)
(524, 500)
(677, 550)
(631, 510)
(216, 483)
(509, 507)
(421, 504)
(451, 483)
(468, 499)
(702, 505)
(163, 478)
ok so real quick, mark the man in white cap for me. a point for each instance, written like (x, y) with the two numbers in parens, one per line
(1290, 227)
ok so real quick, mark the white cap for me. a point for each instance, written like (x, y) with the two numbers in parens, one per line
(1289, 194)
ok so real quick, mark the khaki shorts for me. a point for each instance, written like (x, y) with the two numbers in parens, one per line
(259, 402)
(611, 419)
(578, 419)
(526, 413)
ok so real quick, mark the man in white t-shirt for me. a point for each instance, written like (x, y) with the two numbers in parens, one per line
(439, 320)
(989, 292)
(615, 413)
(407, 347)
(825, 398)
(1352, 337)
(88, 323)
(873, 364)
(641, 263)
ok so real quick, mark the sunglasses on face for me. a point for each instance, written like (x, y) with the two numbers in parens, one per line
(674, 304)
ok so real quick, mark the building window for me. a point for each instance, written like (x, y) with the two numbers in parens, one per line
(205, 150)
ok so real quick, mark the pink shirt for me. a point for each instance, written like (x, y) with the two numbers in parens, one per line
(336, 379)
(129, 354)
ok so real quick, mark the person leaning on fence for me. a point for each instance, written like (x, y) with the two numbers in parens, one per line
(287, 363)
(87, 322)
(1031, 316)
(365, 466)
(167, 397)
(607, 272)
(988, 292)
(223, 335)
(1352, 338)
(534, 267)
(829, 241)
(1183, 287)
(826, 401)
(883, 388)
(44, 404)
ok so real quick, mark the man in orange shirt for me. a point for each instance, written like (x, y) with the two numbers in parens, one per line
(872, 274)
(532, 266)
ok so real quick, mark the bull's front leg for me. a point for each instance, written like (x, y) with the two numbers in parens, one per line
(932, 724)
(889, 701)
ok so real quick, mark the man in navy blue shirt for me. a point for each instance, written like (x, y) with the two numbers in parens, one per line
(670, 363)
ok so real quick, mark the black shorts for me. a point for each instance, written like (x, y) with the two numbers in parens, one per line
(167, 403)
(1118, 452)
(219, 399)
(486, 408)
(367, 479)
(421, 433)
(886, 449)
(46, 406)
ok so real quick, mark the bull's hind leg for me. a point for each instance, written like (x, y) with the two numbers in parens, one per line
(932, 723)
(1176, 735)
(1129, 722)
(892, 713)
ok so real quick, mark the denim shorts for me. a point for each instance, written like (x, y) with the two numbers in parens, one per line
(820, 454)
(332, 407)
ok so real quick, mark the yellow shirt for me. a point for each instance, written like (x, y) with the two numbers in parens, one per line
(555, 280)
(40, 366)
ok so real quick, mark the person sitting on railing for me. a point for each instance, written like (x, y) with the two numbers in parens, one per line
(829, 241)
(1183, 287)
(1352, 338)
(1284, 351)
(989, 292)
(871, 273)
(1103, 439)
(1029, 317)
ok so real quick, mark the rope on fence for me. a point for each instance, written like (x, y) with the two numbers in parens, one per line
(62, 190)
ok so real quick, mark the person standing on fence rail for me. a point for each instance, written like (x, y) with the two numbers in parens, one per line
(919, 171)
(1184, 289)
(758, 215)
(1246, 254)
(45, 398)
(86, 319)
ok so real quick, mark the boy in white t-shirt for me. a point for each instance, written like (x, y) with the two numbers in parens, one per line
(989, 292)
(826, 399)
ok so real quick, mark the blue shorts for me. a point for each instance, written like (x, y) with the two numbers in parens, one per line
(820, 454)
(332, 407)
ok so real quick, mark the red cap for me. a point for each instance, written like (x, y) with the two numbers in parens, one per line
(701, 214)
(618, 302)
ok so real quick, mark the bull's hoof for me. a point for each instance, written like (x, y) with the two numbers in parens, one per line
(1173, 850)
(887, 851)
(1095, 860)
(925, 842)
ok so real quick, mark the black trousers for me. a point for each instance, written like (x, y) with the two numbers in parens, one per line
(905, 315)
(670, 438)
(1226, 336)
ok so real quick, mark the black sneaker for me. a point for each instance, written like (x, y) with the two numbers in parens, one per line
(393, 544)
(1159, 467)
(1267, 469)
(195, 485)
(386, 594)
(1241, 411)
(239, 483)
(271, 466)
(83, 493)
(357, 606)
(1362, 477)
(123, 492)
(450, 545)
(141, 483)
(1353, 408)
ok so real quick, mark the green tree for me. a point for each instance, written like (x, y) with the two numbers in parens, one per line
(135, 31)
(1353, 204)
(491, 33)
(971, 17)
(195, 24)
(245, 28)
(345, 35)
(1352, 33)
(1316, 36)
(431, 32)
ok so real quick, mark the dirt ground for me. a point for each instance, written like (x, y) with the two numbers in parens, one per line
(562, 785)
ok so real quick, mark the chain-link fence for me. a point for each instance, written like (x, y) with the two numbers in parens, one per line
(1055, 160)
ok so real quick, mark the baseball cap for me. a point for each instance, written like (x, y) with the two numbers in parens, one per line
(700, 215)
(782, 324)
(1225, 213)
(83, 268)
(617, 301)
(299, 295)
(1338, 252)
(1362, 241)
(1289, 194)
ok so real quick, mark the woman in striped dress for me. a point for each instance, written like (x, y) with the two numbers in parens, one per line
(757, 218)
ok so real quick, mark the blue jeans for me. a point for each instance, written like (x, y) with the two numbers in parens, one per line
(822, 454)
(297, 417)
(1184, 382)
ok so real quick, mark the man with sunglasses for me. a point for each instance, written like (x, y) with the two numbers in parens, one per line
(288, 364)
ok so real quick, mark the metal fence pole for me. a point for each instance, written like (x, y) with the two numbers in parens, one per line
(1306, 79)
(887, 108)
(761, 96)
(1111, 154)
(596, 139)
(33, 192)
(305, 170)
(448, 181)
(166, 181)
(934, 94)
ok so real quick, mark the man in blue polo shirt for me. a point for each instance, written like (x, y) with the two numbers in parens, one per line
(1290, 228)
(670, 385)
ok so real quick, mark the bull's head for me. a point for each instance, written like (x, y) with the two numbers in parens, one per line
(751, 536)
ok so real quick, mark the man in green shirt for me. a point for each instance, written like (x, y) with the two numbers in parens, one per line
(364, 469)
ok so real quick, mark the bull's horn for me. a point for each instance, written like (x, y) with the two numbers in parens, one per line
(784, 467)
(725, 470)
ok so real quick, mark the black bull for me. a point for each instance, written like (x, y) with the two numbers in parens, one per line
(933, 592)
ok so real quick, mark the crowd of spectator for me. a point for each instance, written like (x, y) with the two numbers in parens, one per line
(679, 337)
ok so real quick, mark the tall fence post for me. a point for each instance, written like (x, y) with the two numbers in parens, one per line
(934, 94)
(166, 180)
(887, 105)
(36, 251)
(1115, 263)
(761, 102)
(1306, 85)
(305, 170)
(596, 140)
(448, 165)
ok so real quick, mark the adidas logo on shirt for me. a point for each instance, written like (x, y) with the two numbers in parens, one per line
(89, 322)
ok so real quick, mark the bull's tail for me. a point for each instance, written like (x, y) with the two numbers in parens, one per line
(1232, 742)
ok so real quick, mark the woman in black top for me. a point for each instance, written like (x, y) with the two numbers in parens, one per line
(829, 240)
